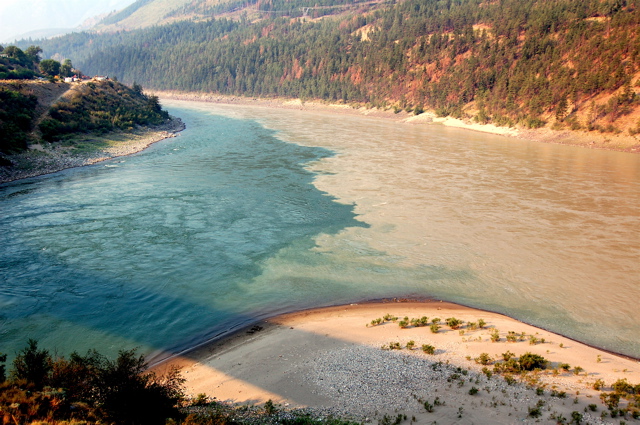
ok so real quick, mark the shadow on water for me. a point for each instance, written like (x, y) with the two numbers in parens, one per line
(157, 252)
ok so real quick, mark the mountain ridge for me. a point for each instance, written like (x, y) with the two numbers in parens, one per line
(21, 19)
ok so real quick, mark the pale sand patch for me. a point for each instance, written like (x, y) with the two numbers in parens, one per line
(331, 360)
(485, 128)
(294, 102)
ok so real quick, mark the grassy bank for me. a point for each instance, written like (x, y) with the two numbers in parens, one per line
(46, 158)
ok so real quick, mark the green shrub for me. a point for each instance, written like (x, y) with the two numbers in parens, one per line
(576, 417)
(125, 392)
(495, 335)
(534, 122)
(270, 408)
(442, 112)
(573, 123)
(453, 323)
(434, 328)
(3, 374)
(530, 361)
(508, 355)
(560, 419)
(484, 359)
(200, 400)
(423, 321)
(428, 349)
(535, 412)
(487, 372)
(481, 323)
(533, 340)
(17, 112)
(622, 386)
(32, 365)
(509, 366)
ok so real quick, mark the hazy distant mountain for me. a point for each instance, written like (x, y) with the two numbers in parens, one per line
(146, 13)
(20, 18)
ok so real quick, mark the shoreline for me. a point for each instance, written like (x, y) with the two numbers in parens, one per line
(233, 332)
(588, 140)
(41, 160)
(302, 359)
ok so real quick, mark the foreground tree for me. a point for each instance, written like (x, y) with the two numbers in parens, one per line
(126, 394)
(32, 365)
(50, 67)
(90, 387)
(33, 53)
(66, 69)
(3, 358)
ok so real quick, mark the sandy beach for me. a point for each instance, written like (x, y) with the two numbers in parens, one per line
(335, 361)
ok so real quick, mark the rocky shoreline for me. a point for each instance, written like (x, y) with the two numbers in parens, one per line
(586, 139)
(40, 160)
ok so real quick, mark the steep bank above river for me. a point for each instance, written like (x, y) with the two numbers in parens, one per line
(49, 126)
(49, 158)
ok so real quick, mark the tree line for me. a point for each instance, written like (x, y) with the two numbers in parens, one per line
(92, 389)
(89, 387)
(16, 64)
(512, 61)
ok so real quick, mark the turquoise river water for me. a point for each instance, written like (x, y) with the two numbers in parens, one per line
(252, 212)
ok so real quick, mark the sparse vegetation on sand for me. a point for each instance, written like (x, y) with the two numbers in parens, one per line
(623, 399)
(507, 381)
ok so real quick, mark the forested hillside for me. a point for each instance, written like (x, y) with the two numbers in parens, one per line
(567, 63)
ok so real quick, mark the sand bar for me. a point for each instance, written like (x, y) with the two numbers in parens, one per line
(332, 360)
